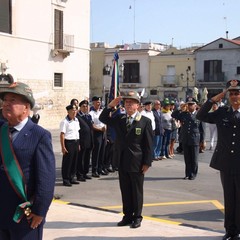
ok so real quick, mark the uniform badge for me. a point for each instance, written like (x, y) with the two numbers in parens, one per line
(138, 131)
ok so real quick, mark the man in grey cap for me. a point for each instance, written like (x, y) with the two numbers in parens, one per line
(226, 157)
(134, 148)
(27, 167)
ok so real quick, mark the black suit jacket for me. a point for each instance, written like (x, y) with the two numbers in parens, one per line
(134, 148)
(226, 156)
(190, 127)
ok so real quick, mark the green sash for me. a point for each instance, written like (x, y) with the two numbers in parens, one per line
(14, 173)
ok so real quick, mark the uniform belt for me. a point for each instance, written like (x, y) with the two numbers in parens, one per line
(73, 140)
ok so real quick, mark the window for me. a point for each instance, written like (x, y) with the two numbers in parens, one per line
(5, 16)
(153, 92)
(213, 71)
(58, 29)
(58, 80)
(131, 72)
(220, 45)
(238, 70)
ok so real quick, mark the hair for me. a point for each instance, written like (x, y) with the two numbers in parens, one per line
(73, 100)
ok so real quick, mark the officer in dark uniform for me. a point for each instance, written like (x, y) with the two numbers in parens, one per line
(134, 148)
(190, 134)
(226, 157)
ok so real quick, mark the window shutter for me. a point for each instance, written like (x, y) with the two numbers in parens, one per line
(5, 16)
(58, 29)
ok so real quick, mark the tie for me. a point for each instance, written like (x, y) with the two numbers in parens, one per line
(236, 115)
(12, 130)
(128, 123)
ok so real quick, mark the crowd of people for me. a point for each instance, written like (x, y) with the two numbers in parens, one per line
(125, 138)
(171, 122)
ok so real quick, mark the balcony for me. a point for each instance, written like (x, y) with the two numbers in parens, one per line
(217, 77)
(170, 80)
(65, 48)
(212, 80)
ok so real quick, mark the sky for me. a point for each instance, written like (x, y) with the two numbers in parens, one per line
(182, 23)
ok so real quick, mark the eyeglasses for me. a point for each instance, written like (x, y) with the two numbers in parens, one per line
(234, 93)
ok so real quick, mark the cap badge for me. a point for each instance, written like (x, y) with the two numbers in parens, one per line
(131, 93)
(234, 83)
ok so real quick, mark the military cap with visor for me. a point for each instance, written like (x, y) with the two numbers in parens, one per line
(21, 89)
(83, 102)
(191, 100)
(132, 95)
(233, 85)
(71, 107)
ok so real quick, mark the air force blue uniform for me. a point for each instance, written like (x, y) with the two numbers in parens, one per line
(226, 159)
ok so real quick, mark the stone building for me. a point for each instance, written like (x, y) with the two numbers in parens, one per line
(46, 45)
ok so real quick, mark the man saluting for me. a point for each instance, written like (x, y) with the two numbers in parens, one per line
(227, 153)
(134, 141)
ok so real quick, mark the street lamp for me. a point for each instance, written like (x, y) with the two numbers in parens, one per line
(188, 72)
(108, 69)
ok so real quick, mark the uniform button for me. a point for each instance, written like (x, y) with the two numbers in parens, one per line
(234, 134)
(233, 143)
(232, 151)
(234, 126)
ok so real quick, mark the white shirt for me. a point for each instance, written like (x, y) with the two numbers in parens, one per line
(149, 114)
(70, 128)
(95, 118)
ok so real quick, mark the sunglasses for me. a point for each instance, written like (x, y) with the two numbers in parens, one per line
(234, 93)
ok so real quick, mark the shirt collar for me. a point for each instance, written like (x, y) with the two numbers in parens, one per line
(20, 126)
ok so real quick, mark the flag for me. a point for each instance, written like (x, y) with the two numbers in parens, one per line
(114, 89)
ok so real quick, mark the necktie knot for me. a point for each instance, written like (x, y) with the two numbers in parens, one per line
(12, 132)
(128, 123)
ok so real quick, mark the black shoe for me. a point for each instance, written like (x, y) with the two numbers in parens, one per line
(124, 222)
(236, 237)
(103, 172)
(81, 179)
(74, 182)
(191, 178)
(136, 223)
(185, 178)
(87, 177)
(230, 236)
(227, 236)
(95, 175)
(110, 170)
(67, 183)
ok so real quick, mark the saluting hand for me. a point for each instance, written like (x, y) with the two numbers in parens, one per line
(219, 96)
(116, 101)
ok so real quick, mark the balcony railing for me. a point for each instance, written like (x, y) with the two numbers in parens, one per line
(217, 77)
(170, 80)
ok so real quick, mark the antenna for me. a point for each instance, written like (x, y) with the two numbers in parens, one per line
(133, 21)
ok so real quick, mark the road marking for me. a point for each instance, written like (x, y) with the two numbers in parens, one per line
(216, 203)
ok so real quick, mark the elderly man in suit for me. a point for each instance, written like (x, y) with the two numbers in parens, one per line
(27, 167)
(134, 147)
(226, 157)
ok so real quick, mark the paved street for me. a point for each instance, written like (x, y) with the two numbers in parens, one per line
(168, 198)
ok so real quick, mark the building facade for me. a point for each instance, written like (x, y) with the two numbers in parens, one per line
(156, 71)
(45, 44)
(216, 63)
